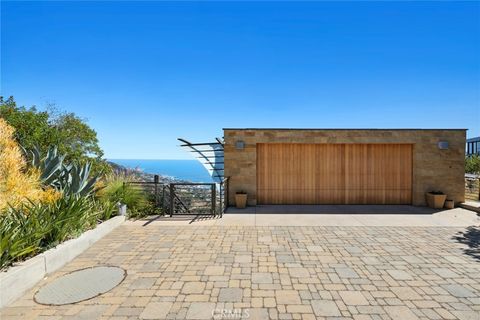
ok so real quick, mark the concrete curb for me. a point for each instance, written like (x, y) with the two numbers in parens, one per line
(17, 280)
(471, 205)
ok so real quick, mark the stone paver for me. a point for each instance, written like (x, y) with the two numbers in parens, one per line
(325, 308)
(459, 291)
(275, 272)
(400, 313)
(156, 310)
(399, 275)
(230, 295)
(353, 298)
(262, 277)
(287, 297)
(193, 287)
(200, 310)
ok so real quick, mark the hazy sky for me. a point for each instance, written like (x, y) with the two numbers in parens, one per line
(146, 73)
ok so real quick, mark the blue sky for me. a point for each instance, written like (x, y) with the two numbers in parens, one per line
(146, 73)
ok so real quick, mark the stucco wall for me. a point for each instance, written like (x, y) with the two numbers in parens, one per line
(433, 168)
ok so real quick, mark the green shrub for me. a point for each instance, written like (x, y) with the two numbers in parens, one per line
(69, 217)
(35, 227)
(135, 199)
(472, 164)
(117, 189)
(106, 208)
(20, 234)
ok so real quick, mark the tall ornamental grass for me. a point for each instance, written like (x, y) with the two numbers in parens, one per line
(32, 228)
(18, 184)
(116, 189)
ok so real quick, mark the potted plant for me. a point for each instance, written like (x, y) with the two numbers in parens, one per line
(449, 204)
(241, 199)
(435, 199)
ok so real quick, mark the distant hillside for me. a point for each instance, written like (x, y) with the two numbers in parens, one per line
(139, 175)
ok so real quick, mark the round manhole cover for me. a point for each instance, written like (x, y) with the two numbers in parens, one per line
(80, 285)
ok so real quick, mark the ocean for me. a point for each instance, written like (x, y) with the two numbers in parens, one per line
(190, 170)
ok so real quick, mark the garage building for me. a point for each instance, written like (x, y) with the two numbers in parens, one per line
(344, 166)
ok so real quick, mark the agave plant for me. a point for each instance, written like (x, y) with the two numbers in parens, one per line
(71, 179)
(77, 181)
(50, 165)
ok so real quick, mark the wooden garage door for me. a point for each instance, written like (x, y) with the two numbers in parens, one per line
(334, 173)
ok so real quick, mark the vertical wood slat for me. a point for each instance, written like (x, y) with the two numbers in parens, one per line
(334, 173)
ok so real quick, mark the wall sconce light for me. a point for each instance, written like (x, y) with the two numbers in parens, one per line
(239, 145)
(443, 145)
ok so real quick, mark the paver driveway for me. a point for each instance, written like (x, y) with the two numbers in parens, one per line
(178, 272)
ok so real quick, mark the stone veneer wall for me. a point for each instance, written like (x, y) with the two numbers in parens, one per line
(433, 169)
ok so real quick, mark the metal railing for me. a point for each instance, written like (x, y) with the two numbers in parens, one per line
(189, 198)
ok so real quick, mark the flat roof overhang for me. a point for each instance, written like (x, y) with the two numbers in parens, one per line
(341, 129)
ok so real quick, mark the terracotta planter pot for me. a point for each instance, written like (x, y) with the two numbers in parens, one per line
(435, 201)
(241, 200)
(449, 204)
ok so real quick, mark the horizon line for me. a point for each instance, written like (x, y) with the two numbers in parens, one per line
(149, 159)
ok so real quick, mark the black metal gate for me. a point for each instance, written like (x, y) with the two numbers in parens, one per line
(188, 198)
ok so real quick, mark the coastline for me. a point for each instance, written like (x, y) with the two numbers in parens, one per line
(142, 176)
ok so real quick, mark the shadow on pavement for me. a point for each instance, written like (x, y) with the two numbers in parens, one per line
(471, 238)
(336, 209)
(180, 217)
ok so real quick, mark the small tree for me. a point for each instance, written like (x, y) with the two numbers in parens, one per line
(43, 129)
